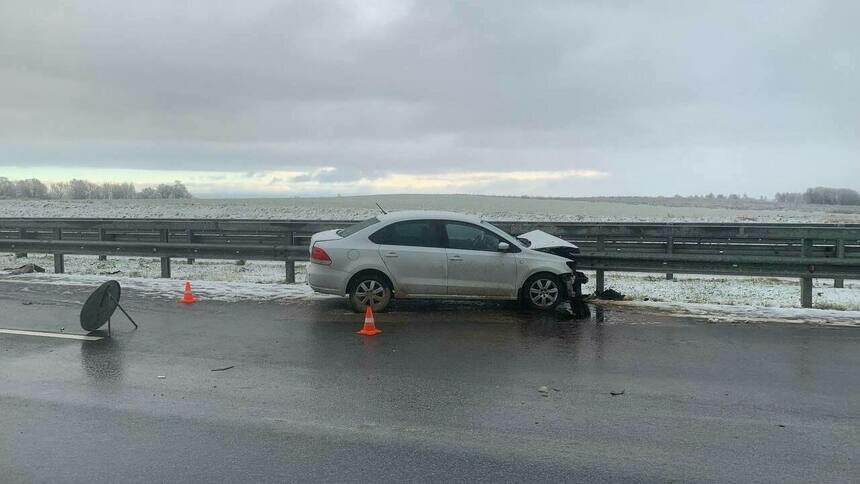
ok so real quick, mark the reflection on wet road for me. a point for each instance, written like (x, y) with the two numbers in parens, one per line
(477, 391)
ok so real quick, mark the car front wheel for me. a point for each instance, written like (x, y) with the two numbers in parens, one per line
(542, 291)
(370, 290)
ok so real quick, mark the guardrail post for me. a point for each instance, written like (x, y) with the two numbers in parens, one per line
(840, 252)
(59, 261)
(806, 281)
(806, 292)
(599, 283)
(165, 261)
(599, 280)
(670, 248)
(291, 271)
(102, 238)
(23, 235)
(190, 241)
(805, 247)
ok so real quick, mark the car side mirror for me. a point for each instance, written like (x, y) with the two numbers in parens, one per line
(504, 246)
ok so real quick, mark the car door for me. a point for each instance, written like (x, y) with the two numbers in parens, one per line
(414, 255)
(476, 267)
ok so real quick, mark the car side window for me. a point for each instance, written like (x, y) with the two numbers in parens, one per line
(412, 233)
(469, 237)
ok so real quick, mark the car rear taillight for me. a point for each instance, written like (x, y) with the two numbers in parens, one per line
(319, 256)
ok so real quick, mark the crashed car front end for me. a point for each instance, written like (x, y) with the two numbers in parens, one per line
(543, 242)
(574, 282)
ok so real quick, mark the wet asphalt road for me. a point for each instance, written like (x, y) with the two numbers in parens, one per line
(449, 392)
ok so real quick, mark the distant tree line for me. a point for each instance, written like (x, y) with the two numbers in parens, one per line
(720, 196)
(821, 196)
(86, 190)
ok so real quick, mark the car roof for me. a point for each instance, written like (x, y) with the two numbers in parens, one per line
(428, 215)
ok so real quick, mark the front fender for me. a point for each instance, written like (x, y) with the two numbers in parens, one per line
(536, 265)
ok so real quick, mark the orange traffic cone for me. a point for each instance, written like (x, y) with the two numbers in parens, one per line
(188, 297)
(369, 328)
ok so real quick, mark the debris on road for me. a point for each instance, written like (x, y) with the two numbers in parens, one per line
(610, 295)
(615, 394)
(544, 391)
(223, 369)
(161, 377)
(24, 269)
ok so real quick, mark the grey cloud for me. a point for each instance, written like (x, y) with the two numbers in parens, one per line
(639, 89)
(336, 175)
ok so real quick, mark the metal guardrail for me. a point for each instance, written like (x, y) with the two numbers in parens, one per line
(805, 251)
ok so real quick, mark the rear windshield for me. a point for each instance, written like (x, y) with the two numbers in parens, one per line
(359, 226)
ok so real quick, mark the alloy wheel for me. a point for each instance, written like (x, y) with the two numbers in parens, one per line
(370, 292)
(543, 293)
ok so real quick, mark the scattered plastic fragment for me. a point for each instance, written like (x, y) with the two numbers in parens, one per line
(24, 269)
(610, 295)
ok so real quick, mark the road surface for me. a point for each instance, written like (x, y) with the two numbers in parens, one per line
(448, 392)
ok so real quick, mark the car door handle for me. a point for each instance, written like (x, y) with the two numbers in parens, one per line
(391, 254)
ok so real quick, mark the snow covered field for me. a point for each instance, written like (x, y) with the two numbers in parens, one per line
(350, 208)
(712, 297)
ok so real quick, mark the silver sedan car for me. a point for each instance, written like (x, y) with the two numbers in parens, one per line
(422, 254)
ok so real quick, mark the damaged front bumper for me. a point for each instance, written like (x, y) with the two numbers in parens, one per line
(573, 284)
(544, 242)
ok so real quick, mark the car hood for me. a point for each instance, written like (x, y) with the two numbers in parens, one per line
(542, 240)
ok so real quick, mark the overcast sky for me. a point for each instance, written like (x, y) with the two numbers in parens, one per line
(522, 97)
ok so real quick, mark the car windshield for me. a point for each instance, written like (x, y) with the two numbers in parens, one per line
(355, 228)
(498, 230)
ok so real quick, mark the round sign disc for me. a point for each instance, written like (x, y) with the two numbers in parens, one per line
(100, 306)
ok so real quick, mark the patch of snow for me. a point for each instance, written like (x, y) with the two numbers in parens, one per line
(200, 270)
(762, 292)
(217, 280)
(745, 314)
(171, 288)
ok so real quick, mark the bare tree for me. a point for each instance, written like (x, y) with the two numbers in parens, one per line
(7, 188)
(30, 188)
(86, 190)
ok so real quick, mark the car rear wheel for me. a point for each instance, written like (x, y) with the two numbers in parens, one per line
(370, 290)
(542, 291)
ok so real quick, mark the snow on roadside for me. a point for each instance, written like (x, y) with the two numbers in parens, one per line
(217, 280)
(171, 288)
(150, 267)
(744, 314)
(718, 298)
(735, 299)
(766, 292)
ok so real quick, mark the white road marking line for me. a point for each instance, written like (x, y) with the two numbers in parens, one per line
(50, 335)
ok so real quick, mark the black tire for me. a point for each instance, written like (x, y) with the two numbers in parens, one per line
(369, 290)
(542, 291)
